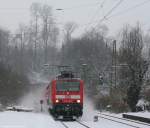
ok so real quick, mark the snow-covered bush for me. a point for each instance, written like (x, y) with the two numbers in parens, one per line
(142, 105)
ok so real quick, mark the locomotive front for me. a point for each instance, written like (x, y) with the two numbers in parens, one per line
(67, 97)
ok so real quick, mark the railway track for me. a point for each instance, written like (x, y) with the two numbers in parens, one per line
(74, 124)
(130, 123)
(83, 124)
(137, 122)
(64, 124)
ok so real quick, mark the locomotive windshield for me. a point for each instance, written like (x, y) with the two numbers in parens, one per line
(68, 86)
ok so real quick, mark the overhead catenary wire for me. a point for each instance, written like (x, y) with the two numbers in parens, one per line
(104, 17)
(107, 14)
(107, 17)
(110, 11)
(120, 13)
(100, 7)
(130, 9)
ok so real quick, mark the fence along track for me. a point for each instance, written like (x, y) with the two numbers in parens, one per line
(125, 119)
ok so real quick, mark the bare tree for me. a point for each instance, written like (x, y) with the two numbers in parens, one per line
(35, 13)
(69, 28)
(47, 19)
(132, 75)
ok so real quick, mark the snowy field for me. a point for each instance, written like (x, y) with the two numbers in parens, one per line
(26, 120)
(10, 119)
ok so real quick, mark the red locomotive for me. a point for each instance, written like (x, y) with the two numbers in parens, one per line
(64, 96)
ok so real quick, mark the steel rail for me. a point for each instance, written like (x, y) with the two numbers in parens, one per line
(119, 122)
(125, 119)
(83, 124)
(64, 124)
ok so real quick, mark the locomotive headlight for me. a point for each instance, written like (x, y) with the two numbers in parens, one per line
(78, 101)
(57, 101)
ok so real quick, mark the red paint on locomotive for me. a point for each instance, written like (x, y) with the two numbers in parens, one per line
(65, 97)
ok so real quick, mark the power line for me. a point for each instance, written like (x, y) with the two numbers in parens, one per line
(100, 7)
(118, 14)
(125, 11)
(110, 11)
(130, 9)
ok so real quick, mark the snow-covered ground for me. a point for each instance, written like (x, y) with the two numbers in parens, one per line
(11, 119)
(26, 120)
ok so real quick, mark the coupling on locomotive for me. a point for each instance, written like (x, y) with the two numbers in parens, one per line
(64, 96)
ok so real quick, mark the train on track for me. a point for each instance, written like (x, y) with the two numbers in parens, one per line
(64, 96)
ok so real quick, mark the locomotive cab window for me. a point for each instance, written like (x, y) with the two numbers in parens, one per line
(68, 86)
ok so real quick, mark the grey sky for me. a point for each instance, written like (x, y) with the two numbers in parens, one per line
(13, 12)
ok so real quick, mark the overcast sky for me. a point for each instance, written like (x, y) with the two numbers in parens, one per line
(13, 12)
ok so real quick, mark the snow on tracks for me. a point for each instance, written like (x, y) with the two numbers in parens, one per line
(74, 124)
